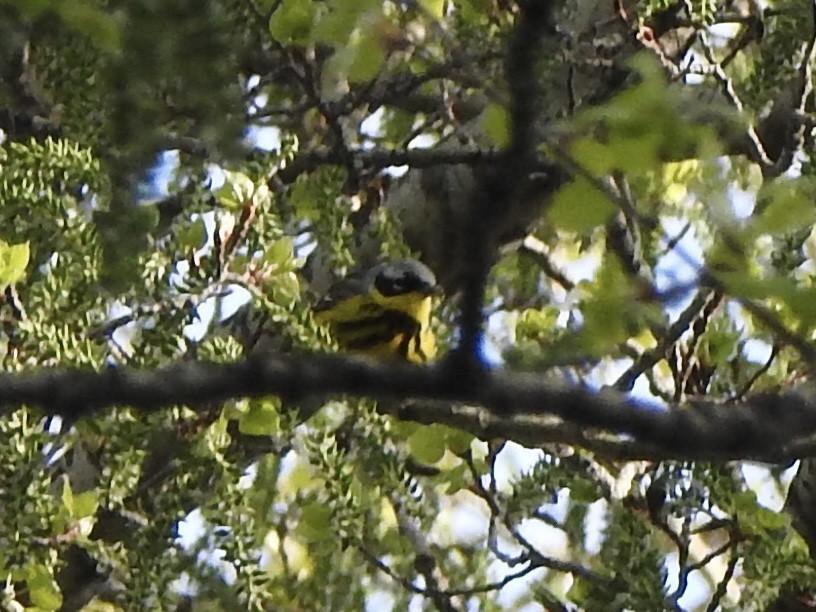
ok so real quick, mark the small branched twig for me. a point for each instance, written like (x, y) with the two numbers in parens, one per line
(722, 586)
(672, 242)
(647, 360)
(756, 375)
(681, 541)
(535, 249)
(721, 550)
(491, 586)
(385, 569)
(758, 153)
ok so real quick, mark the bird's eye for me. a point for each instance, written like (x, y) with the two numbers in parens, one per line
(390, 285)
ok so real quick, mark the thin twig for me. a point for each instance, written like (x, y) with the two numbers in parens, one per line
(722, 587)
(756, 375)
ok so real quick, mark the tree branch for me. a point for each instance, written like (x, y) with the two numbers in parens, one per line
(518, 406)
(383, 158)
(495, 198)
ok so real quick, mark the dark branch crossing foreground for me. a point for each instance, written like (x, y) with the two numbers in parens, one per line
(611, 134)
(518, 407)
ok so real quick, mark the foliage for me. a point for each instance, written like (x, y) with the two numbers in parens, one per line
(164, 163)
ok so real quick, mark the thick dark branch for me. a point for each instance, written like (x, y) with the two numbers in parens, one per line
(383, 158)
(762, 427)
(495, 198)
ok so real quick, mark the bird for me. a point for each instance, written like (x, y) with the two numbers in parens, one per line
(383, 312)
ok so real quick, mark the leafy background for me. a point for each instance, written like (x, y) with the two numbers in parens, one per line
(623, 190)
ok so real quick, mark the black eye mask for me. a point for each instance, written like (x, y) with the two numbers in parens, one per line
(398, 278)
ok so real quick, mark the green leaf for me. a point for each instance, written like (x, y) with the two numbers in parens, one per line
(336, 25)
(457, 478)
(237, 190)
(721, 344)
(537, 323)
(473, 10)
(99, 26)
(67, 496)
(42, 588)
(636, 151)
(495, 121)
(640, 128)
(612, 313)
(800, 300)
(579, 207)
(583, 491)
(396, 124)
(593, 156)
(292, 21)
(13, 262)
(771, 520)
(742, 284)
(193, 236)
(367, 57)
(262, 419)
(790, 207)
(428, 444)
(359, 60)
(315, 523)
(85, 504)
(285, 289)
(299, 478)
(458, 441)
(280, 253)
(675, 180)
(436, 8)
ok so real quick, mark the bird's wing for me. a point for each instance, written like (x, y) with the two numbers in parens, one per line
(353, 285)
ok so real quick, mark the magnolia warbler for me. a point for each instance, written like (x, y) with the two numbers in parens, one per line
(383, 312)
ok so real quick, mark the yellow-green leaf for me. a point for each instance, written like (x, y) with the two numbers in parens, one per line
(458, 441)
(336, 25)
(367, 57)
(262, 419)
(280, 252)
(194, 235)
(97, 25)
(790, 207)
(13, 262)
(436, 8)
(292, 21)
(285, 289)
(315, 522)
(67, 496)
(495, 122)
(42, 588)
(85, 504)
(427, 444)
(579, 207)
